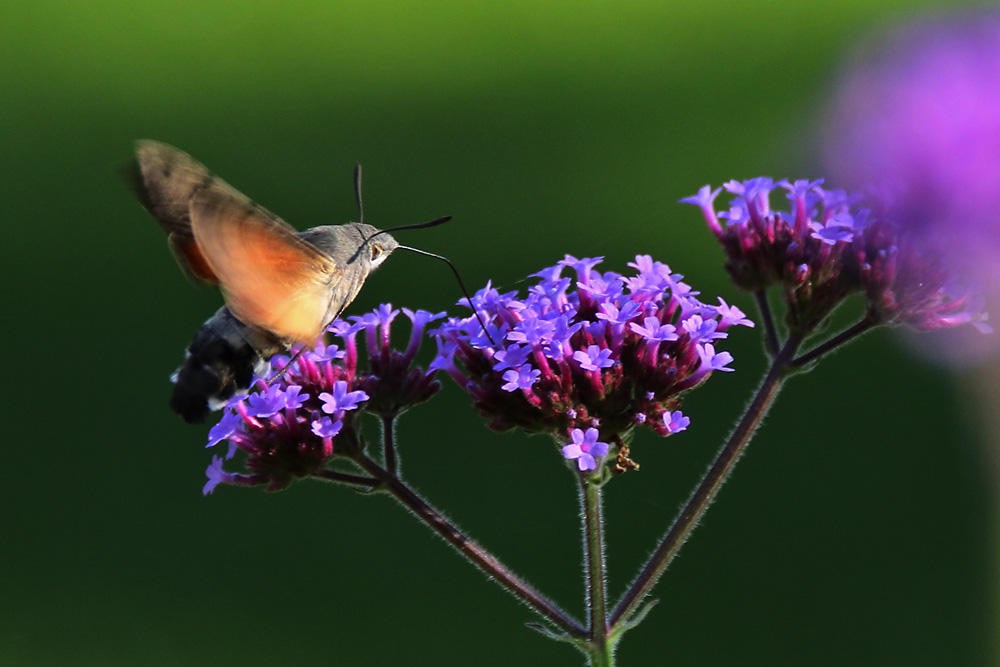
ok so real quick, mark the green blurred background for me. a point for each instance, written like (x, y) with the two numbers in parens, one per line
(858, 530)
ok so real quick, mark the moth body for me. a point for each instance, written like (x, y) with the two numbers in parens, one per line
(219, 363)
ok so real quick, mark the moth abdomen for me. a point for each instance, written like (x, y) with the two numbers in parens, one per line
(220, 362)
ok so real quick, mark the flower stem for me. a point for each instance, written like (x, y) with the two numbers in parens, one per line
(600, 649)
(770, 331)
(709, 486)
(389, 444)
(345, 478)
(471, 551)
(835, 342)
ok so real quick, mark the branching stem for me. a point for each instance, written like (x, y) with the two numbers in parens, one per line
(708, 488)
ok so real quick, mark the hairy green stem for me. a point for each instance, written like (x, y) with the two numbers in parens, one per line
(709, 486)
(600, 648)
(345, 478)
(844, 336)
(389, 444)
(770, 330)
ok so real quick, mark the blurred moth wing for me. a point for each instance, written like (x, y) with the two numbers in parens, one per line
(271, 278)
(165, 180)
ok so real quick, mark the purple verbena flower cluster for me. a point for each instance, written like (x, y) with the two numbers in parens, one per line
(827, 246)
(304, 411)
(587, 357)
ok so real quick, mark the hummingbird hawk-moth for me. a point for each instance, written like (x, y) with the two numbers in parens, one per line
(281, 286)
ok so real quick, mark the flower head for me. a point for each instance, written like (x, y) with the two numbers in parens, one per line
(827, 245)
(802, 248)
(606, 355)
(305, 409)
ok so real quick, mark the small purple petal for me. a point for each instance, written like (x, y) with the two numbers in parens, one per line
(326, 427)
(701, 329)
(513, 356)
(323, 353)
(594, 359)
(584, 448)
(522, 378)
(225, 428)
(831, 234)
(716, 362)
(266, 404)
(654, 330)
(216, 475)
(732, 316)
(341, 399)
(675, 421)
(293, 399)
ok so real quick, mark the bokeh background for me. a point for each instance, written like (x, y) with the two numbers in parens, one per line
(858, 529)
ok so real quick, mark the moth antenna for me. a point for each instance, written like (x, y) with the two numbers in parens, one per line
(357, 191)
(419, 225)
(460, 284)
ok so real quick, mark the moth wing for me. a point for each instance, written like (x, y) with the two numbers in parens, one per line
(271, 278)
(166, 180)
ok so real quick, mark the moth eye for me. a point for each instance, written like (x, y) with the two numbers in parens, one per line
(376, 252)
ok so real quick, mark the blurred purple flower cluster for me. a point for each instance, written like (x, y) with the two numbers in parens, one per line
(917, 115)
